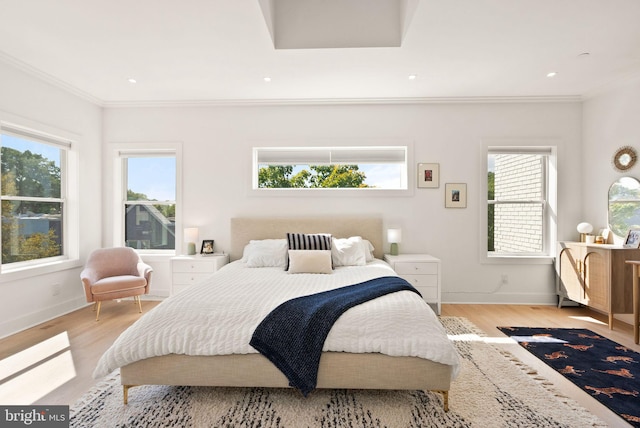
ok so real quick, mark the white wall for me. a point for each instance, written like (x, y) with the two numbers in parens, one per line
(31, 300)
(611, 120)
(217, 143)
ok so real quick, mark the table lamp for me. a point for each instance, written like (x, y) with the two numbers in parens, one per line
(190, 237)
(584, 228)
(394, 236)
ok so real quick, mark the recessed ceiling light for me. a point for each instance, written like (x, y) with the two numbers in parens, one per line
(413, 76)
(267, 79)
(552, 74)
(132, 80)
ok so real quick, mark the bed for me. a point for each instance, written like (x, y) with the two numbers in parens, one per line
(195, 355)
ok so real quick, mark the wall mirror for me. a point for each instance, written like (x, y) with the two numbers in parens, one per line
(624, 206)
(624, 158)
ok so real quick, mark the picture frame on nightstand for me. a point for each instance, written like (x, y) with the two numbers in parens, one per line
(207, 247)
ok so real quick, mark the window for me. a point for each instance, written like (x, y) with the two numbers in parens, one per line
(379, 167)
(34, 204)
(518, 209)
(149, 200)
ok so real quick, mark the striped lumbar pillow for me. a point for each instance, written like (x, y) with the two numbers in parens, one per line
(304, 241)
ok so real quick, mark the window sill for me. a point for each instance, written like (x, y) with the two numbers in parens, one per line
(518, 260)
(9, 274)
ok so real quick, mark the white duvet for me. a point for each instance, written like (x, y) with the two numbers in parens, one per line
(219, 316)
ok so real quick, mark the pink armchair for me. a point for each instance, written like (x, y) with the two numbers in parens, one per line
(115, 273)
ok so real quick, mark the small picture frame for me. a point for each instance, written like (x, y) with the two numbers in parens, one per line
(428, 175)
(633, 239)
(207, 246)
(455, 195)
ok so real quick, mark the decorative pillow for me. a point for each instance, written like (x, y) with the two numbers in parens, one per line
(303, 241)
(266, 253)
(310, 261)
(349, 251)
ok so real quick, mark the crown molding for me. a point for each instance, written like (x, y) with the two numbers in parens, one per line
(48, 78)
(343, 101)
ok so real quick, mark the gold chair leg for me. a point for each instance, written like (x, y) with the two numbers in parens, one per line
(137, 298)
(98, 303)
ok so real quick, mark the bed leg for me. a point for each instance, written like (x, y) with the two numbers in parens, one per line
(125, 393)
(445, 399)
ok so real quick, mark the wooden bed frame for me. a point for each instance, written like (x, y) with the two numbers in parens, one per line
(337, 369)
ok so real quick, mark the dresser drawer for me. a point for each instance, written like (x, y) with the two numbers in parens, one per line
(416, 268)
(193, 266)
(185, 278)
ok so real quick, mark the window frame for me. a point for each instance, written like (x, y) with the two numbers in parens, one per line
(549, 222)
(128, 150)
(69, 189)
(409, 173)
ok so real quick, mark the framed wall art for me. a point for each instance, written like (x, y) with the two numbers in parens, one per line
(455, 195)
(428, 175)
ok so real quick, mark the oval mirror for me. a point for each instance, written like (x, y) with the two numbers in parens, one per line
(624, 206)
(624, 158)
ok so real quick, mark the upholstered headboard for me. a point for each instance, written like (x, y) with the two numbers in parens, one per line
(245, 229)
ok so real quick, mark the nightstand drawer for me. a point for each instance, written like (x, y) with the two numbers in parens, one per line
(422, 280)
(184, 278)
(193, 266)
(416, 268)
(429, 294)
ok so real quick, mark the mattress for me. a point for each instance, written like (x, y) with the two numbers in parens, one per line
(219, 315)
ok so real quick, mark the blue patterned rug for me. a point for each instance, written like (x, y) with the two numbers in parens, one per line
(604, 369)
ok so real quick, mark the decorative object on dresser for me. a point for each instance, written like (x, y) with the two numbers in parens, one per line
(455, 195)
(189, 270)
(207, 247)
(596, 275)
(394, 236)
(428, 175)
(422, 271)
(633, 239)
(584, 229)
(190, 237)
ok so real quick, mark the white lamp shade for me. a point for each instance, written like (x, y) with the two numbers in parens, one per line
(585, 227)
(190, 234)
(394, 235)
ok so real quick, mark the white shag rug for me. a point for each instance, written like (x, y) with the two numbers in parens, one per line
(493, 389)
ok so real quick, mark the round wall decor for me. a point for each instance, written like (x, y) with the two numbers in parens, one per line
(624, 158)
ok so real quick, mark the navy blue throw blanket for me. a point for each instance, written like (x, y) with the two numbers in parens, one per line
(293, 334)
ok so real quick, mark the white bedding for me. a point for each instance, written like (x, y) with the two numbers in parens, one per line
(218, 317)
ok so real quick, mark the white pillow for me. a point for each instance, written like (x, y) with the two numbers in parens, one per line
(369, 250)
(349, 251)
(266, 253)
(310, 261)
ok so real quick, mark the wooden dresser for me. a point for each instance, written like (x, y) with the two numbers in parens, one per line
(597, 276)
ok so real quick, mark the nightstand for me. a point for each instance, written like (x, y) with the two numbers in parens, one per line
(423, 272)
(189, 270)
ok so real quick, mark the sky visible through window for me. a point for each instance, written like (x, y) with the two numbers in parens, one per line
(51, 153)
(155, 177)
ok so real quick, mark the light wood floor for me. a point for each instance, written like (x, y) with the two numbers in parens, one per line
(38, 366)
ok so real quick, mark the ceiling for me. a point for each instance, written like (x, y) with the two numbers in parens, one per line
(220, 51)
